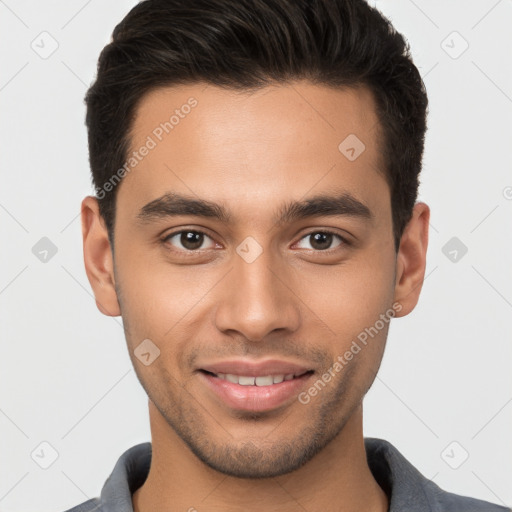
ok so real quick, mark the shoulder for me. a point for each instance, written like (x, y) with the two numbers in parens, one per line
(92, 505)
(128, 474)
(448, 502)
(409, 490)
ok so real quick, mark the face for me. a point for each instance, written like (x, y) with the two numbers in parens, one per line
(256, 254)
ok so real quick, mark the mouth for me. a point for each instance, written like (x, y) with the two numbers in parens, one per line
(255, 387)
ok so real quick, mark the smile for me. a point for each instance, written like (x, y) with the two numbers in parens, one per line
(249, 388)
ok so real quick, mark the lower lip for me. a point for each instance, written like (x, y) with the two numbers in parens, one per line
(255, 398)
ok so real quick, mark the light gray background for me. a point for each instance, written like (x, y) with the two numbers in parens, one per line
(66, 376)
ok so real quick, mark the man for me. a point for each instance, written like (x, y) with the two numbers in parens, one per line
(256, 167)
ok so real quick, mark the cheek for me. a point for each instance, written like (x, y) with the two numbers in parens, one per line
(163, 302)
(350, 296)
(350, 300)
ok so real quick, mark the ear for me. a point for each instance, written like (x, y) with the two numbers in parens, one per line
(98, 258)
(411, 259)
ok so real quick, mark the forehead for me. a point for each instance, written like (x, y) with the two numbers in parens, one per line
(246, 148)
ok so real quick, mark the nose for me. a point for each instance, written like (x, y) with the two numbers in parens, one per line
(257, 299)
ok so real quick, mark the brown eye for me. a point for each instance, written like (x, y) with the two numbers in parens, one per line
(187, 240)
(323, 240)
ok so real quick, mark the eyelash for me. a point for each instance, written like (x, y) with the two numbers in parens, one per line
(187, 253)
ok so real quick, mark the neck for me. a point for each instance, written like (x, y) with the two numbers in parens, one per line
(336, 479)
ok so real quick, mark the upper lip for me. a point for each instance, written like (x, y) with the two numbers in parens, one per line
(256, 369)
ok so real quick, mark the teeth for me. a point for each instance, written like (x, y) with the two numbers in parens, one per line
(245, 380)
(264, 381)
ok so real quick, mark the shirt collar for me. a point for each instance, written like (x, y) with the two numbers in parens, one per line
(130, 472)
(406, 487)
(400, 480)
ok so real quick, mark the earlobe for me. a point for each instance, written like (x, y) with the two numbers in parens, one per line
(98, 258)
(411, 259)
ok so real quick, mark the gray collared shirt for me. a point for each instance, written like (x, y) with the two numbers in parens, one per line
(408, 490)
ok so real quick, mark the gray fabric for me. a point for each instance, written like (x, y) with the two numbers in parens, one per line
(408, 489)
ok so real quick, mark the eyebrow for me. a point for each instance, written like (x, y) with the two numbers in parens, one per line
(172, 204)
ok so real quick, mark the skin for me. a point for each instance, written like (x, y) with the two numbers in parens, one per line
(252, 153)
